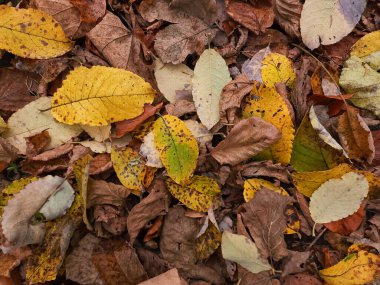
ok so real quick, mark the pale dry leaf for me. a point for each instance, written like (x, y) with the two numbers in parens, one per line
(170, 277)
(252, 67)
(245, 140)
(199, 131)
(98, 133)
(180, 108)
(150, 152)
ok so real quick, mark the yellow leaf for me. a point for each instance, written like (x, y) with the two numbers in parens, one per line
(266, 103)
(367, 45)
(177, 147)
(47, 259)
(3, 125)
(100, 95)
(130, 168)
(251, 186)
(81, 168)
(198, 195)
(308, 182)
(31, 33)
(277, 68)
(356, 269)
(208, 242)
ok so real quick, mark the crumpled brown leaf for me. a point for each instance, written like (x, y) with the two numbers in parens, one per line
(180, 108)
(288, 15)
(100, 192)
(295, 262)
(100, 163)
(8, 153)
(234, 92)
(355, 136)
(109, 220)
(36, 143)
(245, 140)
(152, 262)
(170, 277)
(255, 18)
(206, 10)
(265, 168)
(155, 204)
(90, 11)
(264, 217)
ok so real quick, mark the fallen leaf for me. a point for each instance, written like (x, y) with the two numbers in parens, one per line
(180, 108)
(8, 153)
(205, 10)
(100, 192)
(177, 147)
(265, 168)
(153, 263)
(129, 167)
(171, 78)
(251, 186)
(29, 120)
(24, 38)
(295, 262)
(8, 263)
(199, 131)
(208, 242)
(234, 92)
(90, 11)
(36, 143)
(343, 17)
(367, 45)
(245, 140)
(277, 68)
(210, 76)
(102, 95)
(255, 18)
(338, 198)
(266, 103)
(198, 194)
(301, 279)
(355, 136)
(288, 15)
(170, 277)
(243, 251)
(356, 269)
(156, 204)
(264, 217)
(150, 152)
(252, 67)
(98, 133)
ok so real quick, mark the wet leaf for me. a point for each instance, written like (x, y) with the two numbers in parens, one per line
(31, 33)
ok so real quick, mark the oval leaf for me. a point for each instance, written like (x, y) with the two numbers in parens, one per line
(277, 68)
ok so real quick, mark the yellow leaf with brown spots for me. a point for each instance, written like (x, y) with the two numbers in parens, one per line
(177, 147)
(100, 95)
(31, 33)
(356, 269)
(208, 242)
(277, 68)
(265, 103)
(198, 195)
(130, 168)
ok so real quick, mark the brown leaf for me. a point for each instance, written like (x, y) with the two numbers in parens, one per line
(170, 277)
(130, 125)
(90, 11)
(234, 92)
(37, 167)
(15, 89)
(54, 153)
(154, 230)
(254, 18)
(355, 136)
(261, 278)
(8, 153)
(153, 263)
(301, 279)
(288, 15)
(100, 163)
(205, 10)
(36, 143)
(349, 224)
(109, 220)
(265, 220)
(7, 264)
(149, 208)
(101, 192)
(295, 262)
(265, 168)
(376, 140)
(180, 108)
(245, 140)
(117, 263)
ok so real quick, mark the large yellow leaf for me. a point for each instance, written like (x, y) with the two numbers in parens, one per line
(277, 68)
(100, 95)
(308, 182)
(129, 167)
(198, 195)
(367, 45)
(266, 103)
(356, 269)
(177, 147)
(31, 33)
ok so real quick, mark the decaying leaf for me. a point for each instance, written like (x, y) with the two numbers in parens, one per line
(266, 103)
(245, 140)
(288, 15)
(149, 151)
(277, 68)
(98, 133)
(243, 251)
(338, 198)
(31, 33)
(208, 242)
(327, 22)
(90, 11)
(177, 147)
(234, 92)
(100, 192)
(29, 120)
(198, 194)
(88, 96)
(199, 131)
(210, 76)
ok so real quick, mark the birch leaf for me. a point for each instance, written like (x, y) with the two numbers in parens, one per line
(177, 147)
(129, 167)
(277, 68)
(326, 22)
(243, 251)
(267, 104)
(198, 195)
(100, 95)
(29, 121)
(32, 33)
(210, 76)
(338, 198)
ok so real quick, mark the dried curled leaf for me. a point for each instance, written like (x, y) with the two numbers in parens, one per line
(338, 198)
(198, 194)
(266, 103)
(277, 68)
(100, 95)
(129, 167)
(177, 147)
